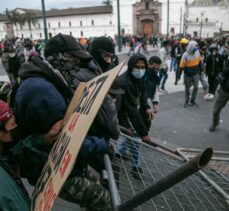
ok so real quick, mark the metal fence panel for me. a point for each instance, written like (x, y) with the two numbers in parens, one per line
(193, 194)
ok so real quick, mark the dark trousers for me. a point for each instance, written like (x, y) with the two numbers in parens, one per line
(221, 101)
(188, 82)
(213, 84)
(145, 118)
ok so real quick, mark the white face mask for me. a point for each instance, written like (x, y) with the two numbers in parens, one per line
(138, 73)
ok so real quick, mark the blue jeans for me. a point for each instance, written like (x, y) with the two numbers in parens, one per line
(173, 64)
(134, 149)
(163, 76)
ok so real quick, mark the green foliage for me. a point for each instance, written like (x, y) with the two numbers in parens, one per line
(22, 18)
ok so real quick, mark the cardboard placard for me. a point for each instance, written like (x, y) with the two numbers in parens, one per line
(80, 114)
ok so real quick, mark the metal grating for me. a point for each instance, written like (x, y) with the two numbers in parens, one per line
(192, 194)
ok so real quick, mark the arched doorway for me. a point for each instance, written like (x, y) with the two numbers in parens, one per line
(148, 27)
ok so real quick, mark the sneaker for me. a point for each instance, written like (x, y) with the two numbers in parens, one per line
(206, 97)
(213, 127)
(211, 96)
(193, 104)
(163, 90)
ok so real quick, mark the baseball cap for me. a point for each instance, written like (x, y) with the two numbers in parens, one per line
(66, 43)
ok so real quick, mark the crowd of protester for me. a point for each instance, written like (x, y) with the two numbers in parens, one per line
(43, 78)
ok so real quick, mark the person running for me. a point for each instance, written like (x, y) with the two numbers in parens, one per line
(222, 97)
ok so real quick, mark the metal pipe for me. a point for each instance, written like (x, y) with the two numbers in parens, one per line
(210, 181)
(192, 166)
(115, 197)
(44, 20)
(154, 144)
(119, 28)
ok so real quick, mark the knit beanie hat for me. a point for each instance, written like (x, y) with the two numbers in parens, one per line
(5, 112)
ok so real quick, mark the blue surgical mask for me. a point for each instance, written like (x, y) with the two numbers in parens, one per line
(138, 73)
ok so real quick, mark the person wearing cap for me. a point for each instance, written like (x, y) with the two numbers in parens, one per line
(179, 51)
(214, 65)
(135, 113)
(102, 49)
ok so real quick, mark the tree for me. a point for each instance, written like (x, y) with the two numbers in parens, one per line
(22, 18)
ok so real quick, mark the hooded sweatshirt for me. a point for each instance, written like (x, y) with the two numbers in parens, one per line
(41, 94)
(191, 60)
(133, 99)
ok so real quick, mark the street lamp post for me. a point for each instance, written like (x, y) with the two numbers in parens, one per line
(201, 23)
(44, 19)
(119, 29)
(168, 18)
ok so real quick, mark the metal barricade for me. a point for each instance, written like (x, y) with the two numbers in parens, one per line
(132, 190)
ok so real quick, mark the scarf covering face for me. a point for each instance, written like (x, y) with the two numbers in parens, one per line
(99, 45)
(65, 65)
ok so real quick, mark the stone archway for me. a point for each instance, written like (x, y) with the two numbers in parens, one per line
(147, 27)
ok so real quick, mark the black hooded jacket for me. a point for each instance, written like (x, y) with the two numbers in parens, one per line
(214, 65)
(225, 83)
(106, 121)
(41, 94)
(133, 99)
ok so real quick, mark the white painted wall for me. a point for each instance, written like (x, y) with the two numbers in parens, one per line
(216, 15)
(103, 25)
(2, 31)
(126, 15)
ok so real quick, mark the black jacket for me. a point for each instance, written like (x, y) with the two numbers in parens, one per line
(214, 65)
(106, 121)
(225, 83)
(133, 99)
(14, 65)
